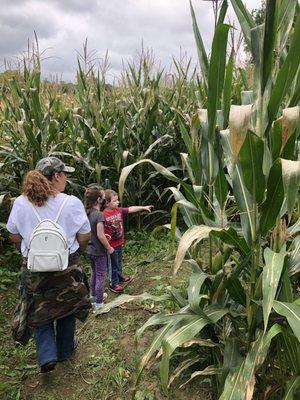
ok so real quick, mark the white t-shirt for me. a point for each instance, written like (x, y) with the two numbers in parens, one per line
(73, 219)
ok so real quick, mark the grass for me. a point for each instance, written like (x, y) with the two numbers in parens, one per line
(105, 362)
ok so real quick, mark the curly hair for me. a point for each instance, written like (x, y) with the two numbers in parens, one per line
(91, 196)
(37, 188)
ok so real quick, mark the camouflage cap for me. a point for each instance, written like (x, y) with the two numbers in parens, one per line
(49, 165)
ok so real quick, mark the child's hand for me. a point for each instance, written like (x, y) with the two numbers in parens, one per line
(110, 250)
(148, 208)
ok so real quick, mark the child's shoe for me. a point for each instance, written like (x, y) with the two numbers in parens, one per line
(93, 300)
(126, 279)
(105, 296)
(116, 289)
(98, 307)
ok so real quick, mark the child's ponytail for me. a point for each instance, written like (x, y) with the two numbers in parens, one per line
(91, 195)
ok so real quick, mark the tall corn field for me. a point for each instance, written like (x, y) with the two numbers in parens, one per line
(217, 152)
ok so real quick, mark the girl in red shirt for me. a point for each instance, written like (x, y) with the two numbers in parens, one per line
(114, 231)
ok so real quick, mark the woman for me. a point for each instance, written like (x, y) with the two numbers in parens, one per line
(50, 301)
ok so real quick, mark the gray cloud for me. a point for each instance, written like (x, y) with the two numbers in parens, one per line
(117, 25)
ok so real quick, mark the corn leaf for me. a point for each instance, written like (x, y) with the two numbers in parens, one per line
(222, 13)
(154, 347)
(275, 194)
(245, 204)
(227, 89)
(184, 333)
(292, 313)
(291, 386)
(126, 298)
(285, 21)
(271, 275)
(293, 260)
(195, 233)
(251, 157)
(196, 282)
(203, 60)
(216, 76)
(236, 290)
(270, 30)
(245, 20)
(240, 382)
(291, 182)
(286, 74)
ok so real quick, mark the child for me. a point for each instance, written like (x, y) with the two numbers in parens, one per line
(98, 245)
(114, 230)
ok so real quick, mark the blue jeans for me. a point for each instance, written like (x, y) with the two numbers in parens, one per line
(54, 345)
(115, 272)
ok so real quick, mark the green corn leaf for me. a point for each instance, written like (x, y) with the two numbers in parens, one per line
(182, 367)
(292, 313)
(275, 136)
(236, 290)
(159, 168)
(291, 347)
(293, 260)
(184, 333)
(230, 237)
(203, 60)
(286, 292)
(221, 187)
(244, 203)
(232, 356)
(240, 382)
(245, 20)
(291, 182)
(271, 275)
(222, 13)
(270, 30)
(228, 89)
(208, 371)
(164, 319)
(187, 209)
(216, 76)
(251, 157)
(153, 348)
(286, 15)
(275, 194)
(194, 289)
(291, 386)
(286, 74)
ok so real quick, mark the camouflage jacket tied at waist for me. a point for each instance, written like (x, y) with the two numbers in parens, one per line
(47, 296)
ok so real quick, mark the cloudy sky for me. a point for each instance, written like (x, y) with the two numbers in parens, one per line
(117, 26)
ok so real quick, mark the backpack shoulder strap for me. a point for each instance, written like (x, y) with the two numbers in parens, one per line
(60, 208)
(35, 211)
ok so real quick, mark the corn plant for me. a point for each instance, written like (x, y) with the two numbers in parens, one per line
(240, 318)
(99, 127)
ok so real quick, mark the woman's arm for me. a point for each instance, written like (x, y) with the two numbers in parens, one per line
(134, 209)
(103, 239)
(16, 239)
(83, 239)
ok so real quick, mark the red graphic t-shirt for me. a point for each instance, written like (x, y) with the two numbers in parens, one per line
(113, 226)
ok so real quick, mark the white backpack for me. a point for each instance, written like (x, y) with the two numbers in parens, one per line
(48, 246)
